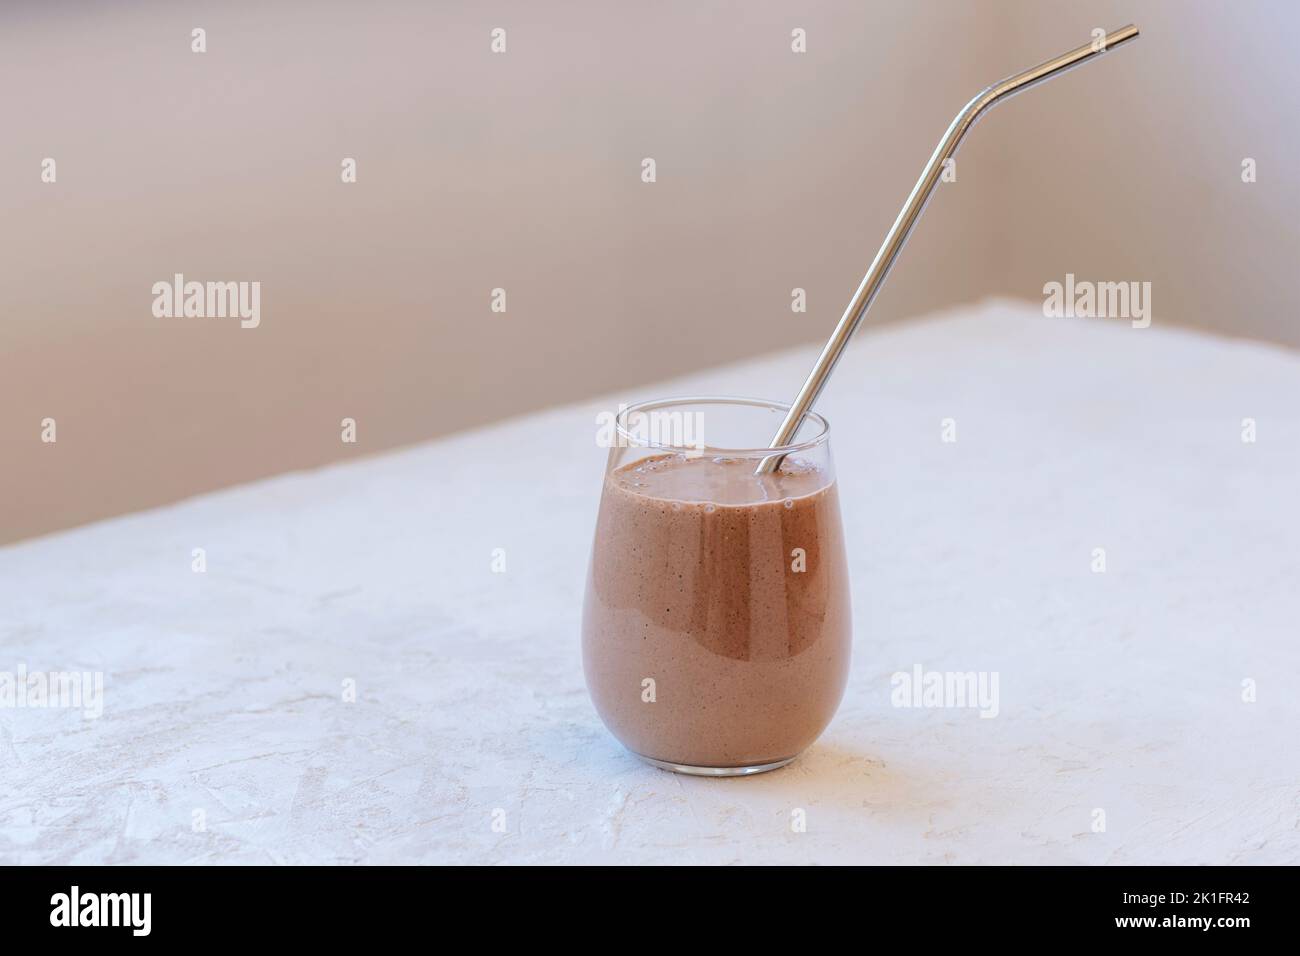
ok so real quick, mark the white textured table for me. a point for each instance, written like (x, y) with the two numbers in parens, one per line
(1119, 691)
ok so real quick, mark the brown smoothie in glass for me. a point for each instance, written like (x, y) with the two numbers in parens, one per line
(729, 591)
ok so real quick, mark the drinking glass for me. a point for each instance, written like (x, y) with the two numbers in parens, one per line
(716, 624)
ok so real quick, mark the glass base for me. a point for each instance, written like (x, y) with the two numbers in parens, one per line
(717, 771)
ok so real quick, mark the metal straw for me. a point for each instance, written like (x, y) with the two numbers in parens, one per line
(911, 212)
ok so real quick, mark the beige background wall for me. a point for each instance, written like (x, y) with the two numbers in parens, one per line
(522, 171)
(1137, 174)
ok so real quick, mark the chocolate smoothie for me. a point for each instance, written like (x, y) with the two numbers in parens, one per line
(696, 583)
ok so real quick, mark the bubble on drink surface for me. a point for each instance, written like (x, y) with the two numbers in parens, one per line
(789, 503)
(793, 465)
(710, 508)
(677, 506)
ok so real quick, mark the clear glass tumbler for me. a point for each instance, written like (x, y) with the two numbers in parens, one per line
(716, 625)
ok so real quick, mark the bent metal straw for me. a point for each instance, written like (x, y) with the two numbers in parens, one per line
(911, 212)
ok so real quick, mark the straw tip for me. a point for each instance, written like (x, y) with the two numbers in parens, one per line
(1127, 32)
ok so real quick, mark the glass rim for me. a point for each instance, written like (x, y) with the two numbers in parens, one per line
(621, 421)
